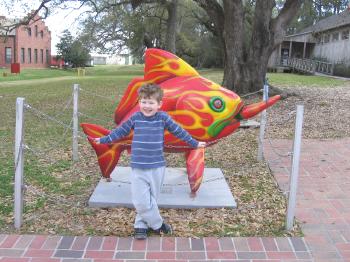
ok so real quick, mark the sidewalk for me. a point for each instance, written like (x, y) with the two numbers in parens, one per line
(323, 207)
(27, 248)
(323, 200)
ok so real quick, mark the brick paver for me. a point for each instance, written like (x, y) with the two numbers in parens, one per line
(323, 209)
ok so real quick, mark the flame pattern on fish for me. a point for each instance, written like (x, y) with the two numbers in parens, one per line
(203, 108)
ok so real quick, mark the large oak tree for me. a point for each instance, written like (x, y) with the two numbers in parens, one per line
(247, 51)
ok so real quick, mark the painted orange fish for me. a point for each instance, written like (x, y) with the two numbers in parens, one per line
(205, 109)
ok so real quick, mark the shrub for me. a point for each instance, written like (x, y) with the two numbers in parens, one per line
(341, 70)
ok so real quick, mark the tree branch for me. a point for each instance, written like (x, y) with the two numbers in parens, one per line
(215, 13)
(281, 22)
(30, 18)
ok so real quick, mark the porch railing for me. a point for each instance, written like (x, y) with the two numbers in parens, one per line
(310, 66)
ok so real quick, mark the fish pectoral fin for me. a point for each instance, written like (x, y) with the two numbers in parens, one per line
(195, 167)
(107, 154)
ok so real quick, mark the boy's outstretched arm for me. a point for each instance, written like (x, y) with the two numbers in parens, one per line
(181, 133)
(117, 133)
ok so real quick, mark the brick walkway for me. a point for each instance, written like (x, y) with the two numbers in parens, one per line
(323, 200)
(323, 207)
(105, 249)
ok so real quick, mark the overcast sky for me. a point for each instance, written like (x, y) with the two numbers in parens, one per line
(57, 22)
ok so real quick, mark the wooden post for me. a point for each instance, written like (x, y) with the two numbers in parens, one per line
(293, 181)
(75, 121)
(19, 161)
(332, 69)
(263, 124)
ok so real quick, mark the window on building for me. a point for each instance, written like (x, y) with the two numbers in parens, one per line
(29, 55)
(8, 55)
(326, 38)
(36, 31)
(41, 56)
(23, 56)
(47, 56)
(42, 34)
(345, 35)
(29, 30)
(335, 36)
(35, 56)
(318, 39)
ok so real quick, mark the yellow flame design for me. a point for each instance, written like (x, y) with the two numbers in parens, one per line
(165, 65)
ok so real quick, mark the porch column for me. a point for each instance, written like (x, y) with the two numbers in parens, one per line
(279, 57)
(304, 50)
(290, 48)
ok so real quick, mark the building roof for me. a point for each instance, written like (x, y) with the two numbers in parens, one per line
(330, 22)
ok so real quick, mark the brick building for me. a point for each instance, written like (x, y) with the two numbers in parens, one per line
(29, 45)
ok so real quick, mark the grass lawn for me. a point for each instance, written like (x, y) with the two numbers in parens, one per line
(49, 172)
(26, 74)
(283, 79)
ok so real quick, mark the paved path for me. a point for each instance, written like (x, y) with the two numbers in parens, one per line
(39, 80)
(27, 248)
(323, 207)
(323, 200)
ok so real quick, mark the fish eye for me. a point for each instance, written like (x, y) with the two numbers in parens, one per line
(217, 104)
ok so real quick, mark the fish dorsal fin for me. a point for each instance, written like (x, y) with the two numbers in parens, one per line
(161, 65)
(129, 99)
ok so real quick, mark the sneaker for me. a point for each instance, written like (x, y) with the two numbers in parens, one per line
(165, 229)
(140, 233)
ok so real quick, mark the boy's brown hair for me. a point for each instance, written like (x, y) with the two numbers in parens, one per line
(151, 91)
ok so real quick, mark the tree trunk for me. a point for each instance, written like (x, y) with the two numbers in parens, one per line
(233, 45)
(245, 68)
(170, 41)
(254, 66)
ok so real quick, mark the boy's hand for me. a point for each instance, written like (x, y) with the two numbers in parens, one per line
(95, 140)
(201, 144)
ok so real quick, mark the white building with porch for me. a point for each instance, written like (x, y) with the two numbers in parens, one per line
(316, 48)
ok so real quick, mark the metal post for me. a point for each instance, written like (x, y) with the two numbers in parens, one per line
(19, 161)
(263, 124)
(75, 122)
(295, 168)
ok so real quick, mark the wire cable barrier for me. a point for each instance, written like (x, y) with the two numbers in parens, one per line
(44, 156)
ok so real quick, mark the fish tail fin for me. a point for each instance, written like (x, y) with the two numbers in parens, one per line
(107, 154)
(254, 109)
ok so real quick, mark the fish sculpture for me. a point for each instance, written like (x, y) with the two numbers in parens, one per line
(206, 110)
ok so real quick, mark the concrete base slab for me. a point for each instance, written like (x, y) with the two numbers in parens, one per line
(213, 193)
(249, 123)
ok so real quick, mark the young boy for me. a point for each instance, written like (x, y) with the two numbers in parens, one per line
(147, 159)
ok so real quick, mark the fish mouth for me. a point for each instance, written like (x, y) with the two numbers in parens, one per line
(216, 128)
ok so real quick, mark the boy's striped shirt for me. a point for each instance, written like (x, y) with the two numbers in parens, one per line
(148, 139)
